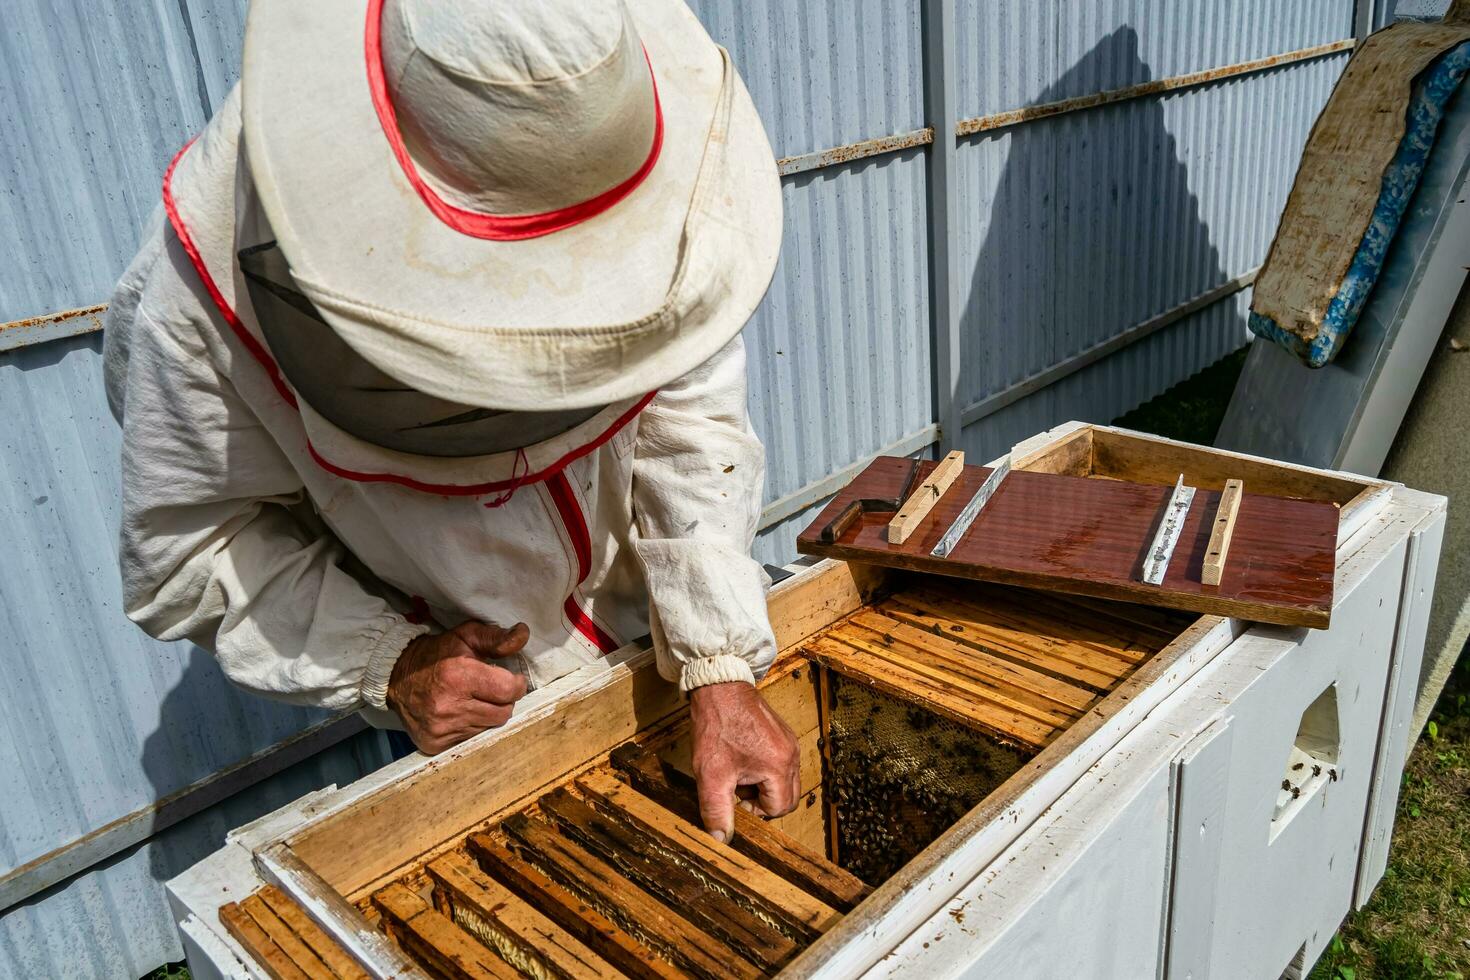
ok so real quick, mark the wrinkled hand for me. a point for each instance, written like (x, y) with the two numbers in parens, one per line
(444, 690)
(740, 741)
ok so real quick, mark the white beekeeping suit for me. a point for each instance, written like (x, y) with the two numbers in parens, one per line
(306, 556)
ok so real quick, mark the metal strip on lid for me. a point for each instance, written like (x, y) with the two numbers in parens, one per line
(967, 516)
(1167, 536)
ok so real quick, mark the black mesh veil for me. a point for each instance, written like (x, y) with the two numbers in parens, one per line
(352, 394)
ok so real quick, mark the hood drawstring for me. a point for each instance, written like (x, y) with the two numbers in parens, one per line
(418, 611)
(515, 481)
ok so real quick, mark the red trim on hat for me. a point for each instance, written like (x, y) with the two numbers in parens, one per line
(255, 347)
(262, 356)
(495, 227)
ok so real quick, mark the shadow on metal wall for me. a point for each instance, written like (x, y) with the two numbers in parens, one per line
(1092, 229)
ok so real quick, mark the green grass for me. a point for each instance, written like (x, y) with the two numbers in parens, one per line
(169, 971)
(1192, 410)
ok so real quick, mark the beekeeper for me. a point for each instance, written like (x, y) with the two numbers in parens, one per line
(430, 376)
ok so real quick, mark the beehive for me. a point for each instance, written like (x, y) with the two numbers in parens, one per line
(928, 711)
(925, 701)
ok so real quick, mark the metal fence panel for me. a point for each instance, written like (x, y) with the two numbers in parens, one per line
(100, 721)
(1085, 225)
(824, 74)
(94, 97)
(1387, 10)
(839, 351)
(114, 923)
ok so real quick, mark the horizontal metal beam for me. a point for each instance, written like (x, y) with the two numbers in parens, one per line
(1159, 86)
(849, 152)
(854, 151)
(110, 839)
(991, 404)
(52, 326)
(799, 500)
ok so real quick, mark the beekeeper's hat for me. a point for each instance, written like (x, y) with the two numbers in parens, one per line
(527, 206)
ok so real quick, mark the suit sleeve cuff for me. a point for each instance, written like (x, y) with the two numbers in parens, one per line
(392, 636)
(720, 669)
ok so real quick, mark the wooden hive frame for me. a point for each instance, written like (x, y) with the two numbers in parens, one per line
(411, 828)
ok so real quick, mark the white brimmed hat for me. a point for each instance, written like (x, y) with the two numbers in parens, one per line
(523, 206)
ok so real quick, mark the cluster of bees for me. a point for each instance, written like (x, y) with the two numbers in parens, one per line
(898, 776)
(1295, 790)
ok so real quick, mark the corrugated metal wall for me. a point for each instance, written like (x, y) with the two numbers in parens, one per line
(1072, 230)
(1099, 255)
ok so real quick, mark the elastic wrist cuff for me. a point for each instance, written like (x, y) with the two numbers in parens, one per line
(394, 635)
(720, 669)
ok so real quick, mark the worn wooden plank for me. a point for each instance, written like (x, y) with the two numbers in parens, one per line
(574, 914)
(681, 886)
(595, 880)
(754, 837)
(502, 920)
(1087, 536)
(911, 661)
(1033, 686)
(971, 626)
(355, 930)
(1124, 629)
(1144, 459)
(1070, 453)
(825, 704)
(1146, 628)
(1007, 725)
(1223, 530)
(1073, 628)
(921, 501)
(436, 941)
(325, 947)
(383, 831)
(816, 598)
(261, 947)
(285, 937)
(795, 912)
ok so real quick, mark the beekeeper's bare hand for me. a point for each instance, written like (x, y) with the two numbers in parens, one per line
(445, 689)
(739, 741)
